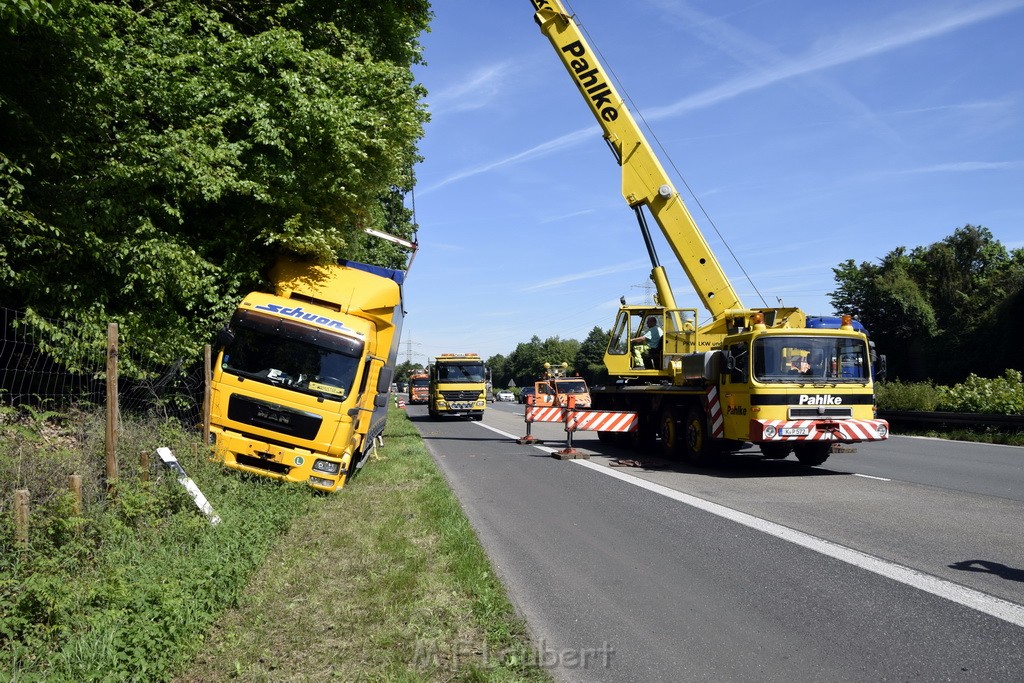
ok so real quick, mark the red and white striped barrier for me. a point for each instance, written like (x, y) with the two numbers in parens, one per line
(601, 421)
(545, 413)
(817, 430)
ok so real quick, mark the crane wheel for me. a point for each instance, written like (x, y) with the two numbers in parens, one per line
(813, 453)
(697, 446)
(775, 450)
(670, 432)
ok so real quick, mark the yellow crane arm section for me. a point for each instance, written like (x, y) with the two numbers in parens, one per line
(644, 181)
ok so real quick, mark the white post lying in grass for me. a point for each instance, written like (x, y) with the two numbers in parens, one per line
(171, 462)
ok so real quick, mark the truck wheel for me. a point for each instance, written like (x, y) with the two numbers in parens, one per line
(644, 437)
(775, 450)
(697, 447)
(813, 453)
(670, 431)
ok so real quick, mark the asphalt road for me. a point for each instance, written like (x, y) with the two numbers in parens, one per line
(900, 561)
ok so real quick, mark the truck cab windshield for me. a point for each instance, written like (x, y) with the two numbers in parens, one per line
(461, 372)
(571, 386)
(810, 359)
(301, 358)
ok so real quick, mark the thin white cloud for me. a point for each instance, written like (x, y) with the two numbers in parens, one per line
(961, 167)
(555, 219)
(985, 105)
(585, 275)
(892, 33)
(567, 140)
(476, 91)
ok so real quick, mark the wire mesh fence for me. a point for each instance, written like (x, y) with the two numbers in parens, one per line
(29, 376)
(56, 422)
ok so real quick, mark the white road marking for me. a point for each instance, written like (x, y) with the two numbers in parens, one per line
(962, 595)
(1001, 609)
(868, 476)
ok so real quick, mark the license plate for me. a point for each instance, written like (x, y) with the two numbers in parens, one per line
(794, 431)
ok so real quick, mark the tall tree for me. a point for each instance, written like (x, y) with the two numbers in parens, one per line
(589, 359)
(156, 157)
(929, 308)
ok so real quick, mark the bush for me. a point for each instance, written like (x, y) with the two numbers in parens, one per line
(1002, 395)
(897, 395)
(127, 589)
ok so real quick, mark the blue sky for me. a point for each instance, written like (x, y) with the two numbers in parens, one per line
(809, 133)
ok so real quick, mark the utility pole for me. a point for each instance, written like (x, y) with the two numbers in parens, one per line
(408, 344)
(649, 290)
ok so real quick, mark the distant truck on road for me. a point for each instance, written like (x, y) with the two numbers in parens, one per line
(458, 385)
(419, 387)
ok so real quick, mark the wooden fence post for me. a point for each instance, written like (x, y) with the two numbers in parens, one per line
(112, 406)
(144, 466)
(207, 375)
(21, 516)
(75, 486)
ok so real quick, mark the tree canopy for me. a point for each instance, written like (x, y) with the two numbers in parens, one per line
(155, 158)
(942, 311)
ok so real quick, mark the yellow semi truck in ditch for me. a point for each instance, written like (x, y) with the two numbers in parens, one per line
(302, 375)
(745, 375)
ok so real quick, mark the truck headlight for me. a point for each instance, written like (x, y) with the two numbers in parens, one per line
(770, 431)
(317, 481)
(882, 430)
(326, 466)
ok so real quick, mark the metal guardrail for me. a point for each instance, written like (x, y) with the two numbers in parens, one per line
(921, 417)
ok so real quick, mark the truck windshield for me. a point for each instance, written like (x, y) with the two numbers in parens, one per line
(810, 359)
(460, 372)
(421, 382)
(286, 353)
(571, 386)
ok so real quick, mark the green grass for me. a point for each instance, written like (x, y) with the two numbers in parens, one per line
(384, 581)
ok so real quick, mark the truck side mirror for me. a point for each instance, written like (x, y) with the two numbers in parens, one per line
(380, 400)
(225, 337)
(384, 380)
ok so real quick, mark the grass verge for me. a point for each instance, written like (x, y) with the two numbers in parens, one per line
(385, 581)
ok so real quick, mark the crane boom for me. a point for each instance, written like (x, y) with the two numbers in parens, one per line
(644, 180)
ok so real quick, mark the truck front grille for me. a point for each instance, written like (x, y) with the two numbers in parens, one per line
(277, 418)
(816, 412)
(460, 395)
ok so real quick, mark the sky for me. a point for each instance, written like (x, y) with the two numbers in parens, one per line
(803, 133)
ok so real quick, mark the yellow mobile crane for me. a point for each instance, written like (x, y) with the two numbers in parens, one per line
(757, 375)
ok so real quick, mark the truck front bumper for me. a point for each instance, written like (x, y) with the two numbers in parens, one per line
(299, 465)
(841, 431)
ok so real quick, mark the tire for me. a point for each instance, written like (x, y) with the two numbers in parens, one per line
(776, 450)
(813, 453)
(670, 432)
(697, 447)
(645, 436)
